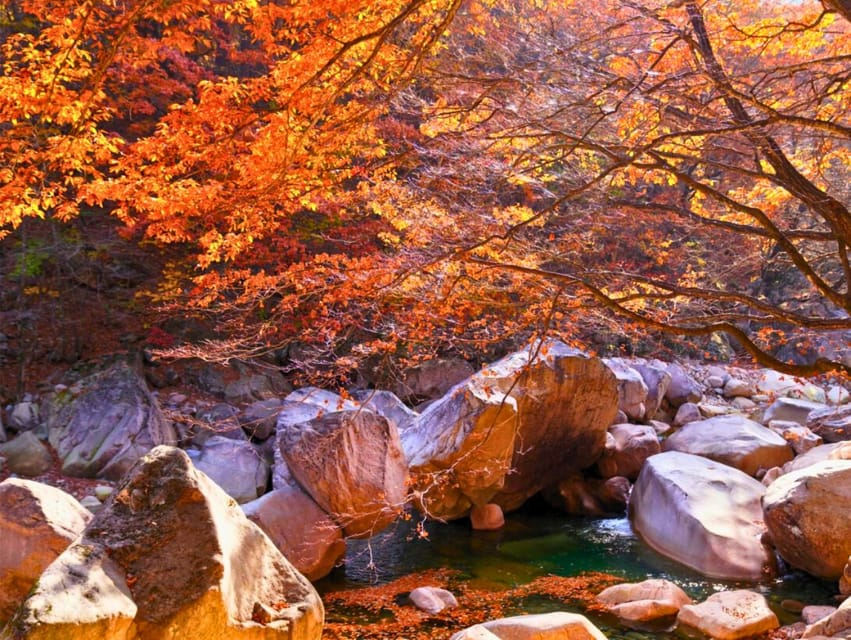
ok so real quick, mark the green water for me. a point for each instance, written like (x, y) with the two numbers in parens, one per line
(534, 544)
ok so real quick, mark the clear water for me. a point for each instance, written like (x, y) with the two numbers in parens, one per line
(534, 544)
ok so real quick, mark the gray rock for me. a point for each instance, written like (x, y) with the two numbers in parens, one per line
(300, 407)
(26, 455)
(732, 440)
(432, 379)
(790, 410)
(387, 404)
(432, 600)
(24, 416)
(657, 379)
(259, 419)
(235, 466)
(736, 388)
(717, 512)
(102, 432)
(682, 388)
(219, 420)
(632, 390)
(688, 412)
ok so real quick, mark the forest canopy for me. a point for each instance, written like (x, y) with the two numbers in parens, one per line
(398, 179)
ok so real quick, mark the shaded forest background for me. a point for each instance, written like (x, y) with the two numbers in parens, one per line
(347, 188)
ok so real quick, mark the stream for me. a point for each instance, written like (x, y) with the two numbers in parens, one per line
(537, 543)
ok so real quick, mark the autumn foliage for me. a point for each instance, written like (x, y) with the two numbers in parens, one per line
(392, 179)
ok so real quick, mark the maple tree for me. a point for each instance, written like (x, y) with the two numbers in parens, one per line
(397, 178)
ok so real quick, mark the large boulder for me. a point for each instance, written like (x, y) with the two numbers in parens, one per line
(37, 523)
(305, 534)
(515, 427)
(807, 515)
(733, 440)
(111, 424)
(703, 514)
(730, 615)
(351, 463)
(558, 625)
(236, 466)
(644, 601)
(170, 555)
(300, 406)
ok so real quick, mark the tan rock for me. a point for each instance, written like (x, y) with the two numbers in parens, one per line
(37, 523)
(558, 625)
(807, 515)
(632, 445)
(351, 463)
(173, 554)
(837, 623)
(730, 615)
(644, 601)
(488, 517)
(510, 430)
(306, 535)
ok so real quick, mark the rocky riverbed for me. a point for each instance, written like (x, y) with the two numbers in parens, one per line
(737, 475)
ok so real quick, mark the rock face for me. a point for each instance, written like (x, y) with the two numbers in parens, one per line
(644, 601)
(732, 440)
(540, 420)
(37, 523)
(109, 426)
(305, 534)
(717, 513)
(730, 615)
(807, 515)
(171, 556)
(579, 495)
(351, 463)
